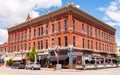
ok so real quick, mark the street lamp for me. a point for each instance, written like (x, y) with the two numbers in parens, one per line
(22, 54)
(57, 51)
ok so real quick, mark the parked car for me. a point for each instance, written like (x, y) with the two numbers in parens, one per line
(33, 66)
(18, 65)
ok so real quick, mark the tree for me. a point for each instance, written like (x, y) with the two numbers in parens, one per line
(10, 62)
(31, 55)
(117, 57)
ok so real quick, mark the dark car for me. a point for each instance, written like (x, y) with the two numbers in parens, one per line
(18, 65)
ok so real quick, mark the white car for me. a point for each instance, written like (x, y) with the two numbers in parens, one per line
(33, 66)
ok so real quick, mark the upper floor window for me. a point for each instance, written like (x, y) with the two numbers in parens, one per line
(39, 33)
(82, 28)
(65, 24)
(65, 41)
(34, 33)
(96, 45)
(74, 25)
(18, 37)
(83, 42)
(91, 44)
(22, 36)
(46, 29)
(98, 33)
(33, 44)
(14, 48)
(25, 46)
(53, 43)
(29, 46)
(74, 41)
(40, 44)
(87, 30)
(91, 31)
(52, 28)
(59, 41)
(29, 34)
(5, 49)
(41, 30)
(59, 27)
(46, 43)
(88, 44)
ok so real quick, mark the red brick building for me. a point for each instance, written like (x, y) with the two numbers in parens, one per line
(73, 30)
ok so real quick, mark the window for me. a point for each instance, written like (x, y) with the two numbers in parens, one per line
(46, 44)
(87, 30)
(88, 44)
(9, 50)
(5, 49)
(59, 41)
(96, 45)
(74, 25)
(82, 28)
(91, 31)
(40, 44)
(74, 41)
(91, 44)
(34, 33)
(18, 37)
(52, 28)
(39, 32)
(46, 29)
(99, 46)
(65, 24)
(14, 48)
(103, 47)
(65, 41)
(29, 34)
(22, 36)
(98, 33)
(59, 28)
(29, 46)
(52, 42)
(33, 44)
(25, 47)
(18, 48)
(83, 43)
(21, 47)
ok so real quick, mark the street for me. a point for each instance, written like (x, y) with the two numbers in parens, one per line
(9, 71)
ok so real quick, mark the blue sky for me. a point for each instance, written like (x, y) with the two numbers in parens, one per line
(15, 11)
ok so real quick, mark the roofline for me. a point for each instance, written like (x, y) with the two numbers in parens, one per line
(62, 10)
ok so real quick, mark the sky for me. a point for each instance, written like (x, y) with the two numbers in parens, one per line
(13, 12)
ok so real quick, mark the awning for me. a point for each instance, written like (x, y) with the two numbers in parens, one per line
(53, 58)
(19, 57)
(9, 57)
(43, 55)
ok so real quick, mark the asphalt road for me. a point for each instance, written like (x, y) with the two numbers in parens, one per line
(9, 71)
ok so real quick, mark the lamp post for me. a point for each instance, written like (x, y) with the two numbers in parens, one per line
(57, 50)
(58, 66)
(22, 54)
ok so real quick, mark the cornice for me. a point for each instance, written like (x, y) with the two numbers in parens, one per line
(67, 8)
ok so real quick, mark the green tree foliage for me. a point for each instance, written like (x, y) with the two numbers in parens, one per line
(10, 62)
(116, 56)
(31, 55)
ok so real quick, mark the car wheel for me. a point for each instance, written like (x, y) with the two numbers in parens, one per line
(32, 68)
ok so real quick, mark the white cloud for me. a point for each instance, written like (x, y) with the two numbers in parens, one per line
(78, 6)
(112, 13)
(16, 11)
(3, 35)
